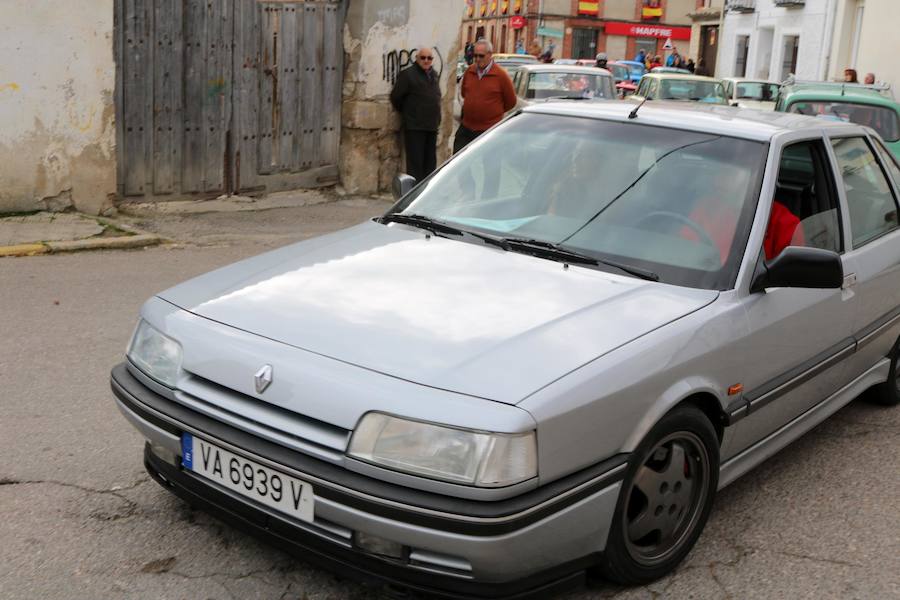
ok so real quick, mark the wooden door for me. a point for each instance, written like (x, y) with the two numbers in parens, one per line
(227, 96)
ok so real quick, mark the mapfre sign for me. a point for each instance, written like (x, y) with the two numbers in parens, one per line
(656, 31)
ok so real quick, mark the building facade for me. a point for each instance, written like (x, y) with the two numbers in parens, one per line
(581, 28)
(104, 101)
(773, 39)
(865, 38)
(706, 19)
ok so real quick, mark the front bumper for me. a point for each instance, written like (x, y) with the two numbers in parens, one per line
(529, 545)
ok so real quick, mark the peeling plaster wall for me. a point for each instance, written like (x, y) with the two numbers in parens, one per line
(57, 132)
(380, 38)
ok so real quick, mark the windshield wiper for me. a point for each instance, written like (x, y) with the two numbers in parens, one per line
(556, 251)
(439, 227)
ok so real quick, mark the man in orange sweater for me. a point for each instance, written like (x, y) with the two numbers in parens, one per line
(487, 93)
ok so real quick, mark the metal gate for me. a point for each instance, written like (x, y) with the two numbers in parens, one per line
(227, 96)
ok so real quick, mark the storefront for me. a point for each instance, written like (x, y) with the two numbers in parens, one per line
(625, 40)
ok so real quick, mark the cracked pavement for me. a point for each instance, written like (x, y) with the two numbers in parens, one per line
(79, 518)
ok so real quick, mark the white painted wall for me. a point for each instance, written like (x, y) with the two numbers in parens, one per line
(434, 24)
(879, 40)
(57, 78)
(812, 23)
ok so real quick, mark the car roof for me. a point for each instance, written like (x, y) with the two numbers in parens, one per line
(631, 63)
(706, 118)
(835, 93)
(748, 80)
(557, 68)
(521, 57)
(681, 77)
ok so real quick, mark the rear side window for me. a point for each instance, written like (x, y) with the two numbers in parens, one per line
(882, 119)
(873, 209)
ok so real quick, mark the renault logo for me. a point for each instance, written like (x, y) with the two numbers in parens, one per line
(263, 378)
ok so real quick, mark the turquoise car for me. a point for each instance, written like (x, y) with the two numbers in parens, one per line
(872, 106)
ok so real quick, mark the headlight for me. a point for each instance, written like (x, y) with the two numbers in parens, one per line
(155, 354)
(457, 455)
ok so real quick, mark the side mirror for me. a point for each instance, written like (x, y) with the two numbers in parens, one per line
(402, 184)
(799, 267)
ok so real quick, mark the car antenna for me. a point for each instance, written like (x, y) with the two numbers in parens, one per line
(633, 114)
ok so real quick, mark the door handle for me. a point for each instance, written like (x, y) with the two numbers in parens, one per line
(849, 281)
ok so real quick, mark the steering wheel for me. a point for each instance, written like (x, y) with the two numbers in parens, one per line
(693, 226)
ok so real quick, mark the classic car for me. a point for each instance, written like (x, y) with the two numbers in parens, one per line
(751, 93)
(677, 86)
(542, 82)
(867, 105)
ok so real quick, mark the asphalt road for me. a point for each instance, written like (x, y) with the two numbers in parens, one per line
(79, 518)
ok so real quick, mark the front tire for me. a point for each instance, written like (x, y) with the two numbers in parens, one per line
(888, 393)
(665, 499)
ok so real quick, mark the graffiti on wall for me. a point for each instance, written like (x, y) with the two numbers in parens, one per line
(396, 60)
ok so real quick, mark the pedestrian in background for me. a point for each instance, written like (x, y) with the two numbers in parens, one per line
(870, 79)
(674, 59)
(690, 66)
(601, 60)
(641, 57)
(417, 97)
(656, 62)
(850, 76)
(520, 47)
(487, 93)
(469, 52)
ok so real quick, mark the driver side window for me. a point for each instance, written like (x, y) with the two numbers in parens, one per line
(804, 208)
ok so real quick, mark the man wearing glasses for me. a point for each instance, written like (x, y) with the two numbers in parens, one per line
(487, 93)
(417, 96)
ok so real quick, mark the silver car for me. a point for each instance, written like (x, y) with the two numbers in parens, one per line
(534, 83)
(545, 358)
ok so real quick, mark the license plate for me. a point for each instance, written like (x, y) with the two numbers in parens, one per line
(248, 478)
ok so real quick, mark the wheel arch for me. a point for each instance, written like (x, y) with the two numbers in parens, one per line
(703, 395)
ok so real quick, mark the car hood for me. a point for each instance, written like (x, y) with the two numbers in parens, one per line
(453, 315)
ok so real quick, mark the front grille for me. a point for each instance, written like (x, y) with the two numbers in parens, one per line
(273, 423)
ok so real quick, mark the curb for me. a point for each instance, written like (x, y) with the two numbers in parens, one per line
(24, 250)
(109, 243)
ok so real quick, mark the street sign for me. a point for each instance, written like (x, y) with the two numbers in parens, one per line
(668, 45)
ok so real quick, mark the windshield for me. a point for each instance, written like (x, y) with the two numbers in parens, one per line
(619, 71)
(554, 85)
(675, 203)
(688, 89)
(880, 118)
(764, 92)
(636, 71)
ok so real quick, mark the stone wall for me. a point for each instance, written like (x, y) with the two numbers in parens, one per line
(57, 132)
(380, 39)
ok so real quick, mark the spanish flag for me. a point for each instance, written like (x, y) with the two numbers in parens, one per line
(587, 7)
(651, 12)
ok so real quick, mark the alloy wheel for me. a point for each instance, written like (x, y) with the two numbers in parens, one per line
(666, 498)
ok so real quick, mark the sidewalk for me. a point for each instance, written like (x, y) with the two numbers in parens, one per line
(46, 232)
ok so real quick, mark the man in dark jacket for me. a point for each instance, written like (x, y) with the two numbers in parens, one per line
(417, 96)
